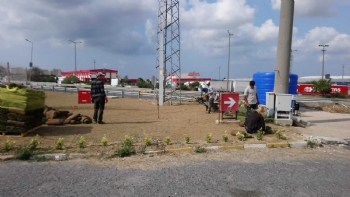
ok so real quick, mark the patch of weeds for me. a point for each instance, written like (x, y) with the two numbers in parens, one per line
(311, 144)
(128, 140)
(199, 149)
(125, 151)
(268, 130)
(167, 140)
(272, 146)
(240, 136)
(187, 139)
(177, 142)
(59, 144)
(7, 145)
(82, 142)
(34, 143)
(104, 141)
(24, 152)
(278, 134)
(260, 135)
(225, 136)
(247, 135)
(148, 141)
(208, 138)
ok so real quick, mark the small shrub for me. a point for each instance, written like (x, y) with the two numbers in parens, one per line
(240, 136)
(199, 149)
(7, 145)
(247, 135)
(82, 142)
(278, 134)
(128, 141)
(34, 143)
(148, 141)
(187, 139)
(167, 140)
(104, 141)
(225, 136)
(208, 138)
(125, 151)
(311, 144)
(24, 152)
(59, 144)
(260, 135)
(268, 130)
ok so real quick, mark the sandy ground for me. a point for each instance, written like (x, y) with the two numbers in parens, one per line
(138, 118)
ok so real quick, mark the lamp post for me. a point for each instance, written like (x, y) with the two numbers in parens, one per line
(219, 73)
(75, 55)
(229, 52)
(94, 64)
(291, 58)
(31, 62)
(323, 50)
(342, 74)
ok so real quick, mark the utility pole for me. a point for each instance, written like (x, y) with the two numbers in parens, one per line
(229, 53)
(219, 73)
(75, 55)
(342, 75)
(31, 62)
(94, 64)
(291, 59)
(323, 50)
(284, 47)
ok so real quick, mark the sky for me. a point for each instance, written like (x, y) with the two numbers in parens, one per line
(122, 35)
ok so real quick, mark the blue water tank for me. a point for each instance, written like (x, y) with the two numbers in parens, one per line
(264, 82)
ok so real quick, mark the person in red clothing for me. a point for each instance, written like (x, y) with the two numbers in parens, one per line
(255, 121)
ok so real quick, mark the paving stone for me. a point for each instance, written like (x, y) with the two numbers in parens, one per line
(298, 144)
(255, 146)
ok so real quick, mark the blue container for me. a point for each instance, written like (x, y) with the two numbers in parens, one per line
(264, 82)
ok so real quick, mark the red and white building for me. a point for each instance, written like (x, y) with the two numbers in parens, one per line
(88, 75)
(188, 77)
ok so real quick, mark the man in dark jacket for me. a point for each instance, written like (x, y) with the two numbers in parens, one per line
(98, 97)
(254, 122)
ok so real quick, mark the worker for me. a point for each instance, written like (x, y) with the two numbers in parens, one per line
(251, 98)
(211, 95)
(98, 97)
(255, 121)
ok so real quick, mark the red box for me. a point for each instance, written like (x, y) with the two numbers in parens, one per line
(229, 102)
(84, 96)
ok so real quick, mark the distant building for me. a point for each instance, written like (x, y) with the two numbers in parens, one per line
(56, 72)
(186, 77)
(88, 75)
(45, 72)
(18, 70)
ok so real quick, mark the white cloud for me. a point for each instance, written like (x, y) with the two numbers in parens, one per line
(310, 8)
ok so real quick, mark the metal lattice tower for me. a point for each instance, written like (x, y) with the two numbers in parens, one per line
(169, 50)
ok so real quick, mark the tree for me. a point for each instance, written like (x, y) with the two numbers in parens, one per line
(34, 74)
(323, 86)
(126, 80)
(3, 72)
(70, 80)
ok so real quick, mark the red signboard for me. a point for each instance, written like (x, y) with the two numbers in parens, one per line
(84, 96)
(307, 89)
(229, 102)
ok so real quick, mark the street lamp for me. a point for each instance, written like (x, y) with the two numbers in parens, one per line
(342, 74)
(94, 64)
(323, 50)
(229, 52)
(31, 61)
(75, 52)
(219, 74)
(291, 58)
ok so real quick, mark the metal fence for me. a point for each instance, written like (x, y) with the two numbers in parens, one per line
(12, 73)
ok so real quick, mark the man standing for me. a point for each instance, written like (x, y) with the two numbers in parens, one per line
(98, 97)
(251, 98)
(211, 95)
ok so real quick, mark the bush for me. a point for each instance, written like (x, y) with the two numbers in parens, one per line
(199, 149)
(104, 141)
(260, 135)
(148, 141)
(240, 136)
(128, 141)
(225, 136)
(187, 139)
(278, 134)
(34, 143)
(125, 151)
(82, 142)
(24, 152)
(70, 80)
(167, 140)
(7, 145)
(322, 86)
(208, 138)
(59, 144)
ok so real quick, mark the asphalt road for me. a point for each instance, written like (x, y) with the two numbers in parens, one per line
(323, 172)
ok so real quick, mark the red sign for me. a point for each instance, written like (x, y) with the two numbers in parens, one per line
(307, 89)
(84, 96)
(229, 102)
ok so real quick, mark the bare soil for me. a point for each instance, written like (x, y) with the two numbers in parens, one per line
(138, 118)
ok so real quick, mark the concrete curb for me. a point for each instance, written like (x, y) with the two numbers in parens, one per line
(62, 157)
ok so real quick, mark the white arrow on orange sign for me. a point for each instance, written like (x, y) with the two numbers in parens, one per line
(231, 102)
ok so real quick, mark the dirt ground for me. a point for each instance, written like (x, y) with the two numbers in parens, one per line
(138, 118)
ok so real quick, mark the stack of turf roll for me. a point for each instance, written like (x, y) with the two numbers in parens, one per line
(21, 108)
(57, 117)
